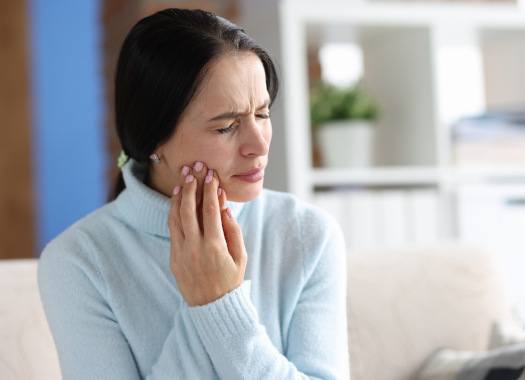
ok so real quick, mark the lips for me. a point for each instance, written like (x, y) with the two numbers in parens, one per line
(250, 172)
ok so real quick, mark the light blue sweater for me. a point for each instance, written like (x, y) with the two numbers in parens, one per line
(115, 312)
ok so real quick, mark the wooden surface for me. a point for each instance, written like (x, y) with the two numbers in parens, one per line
(17, 237)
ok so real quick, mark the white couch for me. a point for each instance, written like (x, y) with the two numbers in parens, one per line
(27, 351)
(403, 304)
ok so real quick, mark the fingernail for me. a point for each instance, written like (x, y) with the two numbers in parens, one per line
(189, 178)
(219, 191)
(209, 176)
(176, 190)
(185, 170)
(229, 212)
(198, 166)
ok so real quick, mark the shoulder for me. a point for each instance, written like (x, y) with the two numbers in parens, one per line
(68, 273)
(71, 250)
(307, 227)
(301, 223)
(75, 237)
(287, 207)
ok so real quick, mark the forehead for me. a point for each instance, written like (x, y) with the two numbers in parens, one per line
(233, 82)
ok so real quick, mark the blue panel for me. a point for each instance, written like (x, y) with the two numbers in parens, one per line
(69, 155)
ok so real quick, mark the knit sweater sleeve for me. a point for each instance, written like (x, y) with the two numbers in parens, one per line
(317, 339)
(87, 335)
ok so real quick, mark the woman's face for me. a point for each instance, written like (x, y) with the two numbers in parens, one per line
(226, 126)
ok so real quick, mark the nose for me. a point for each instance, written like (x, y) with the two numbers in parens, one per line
(256, 138)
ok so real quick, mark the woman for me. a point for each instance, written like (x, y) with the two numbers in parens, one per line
(194, 271)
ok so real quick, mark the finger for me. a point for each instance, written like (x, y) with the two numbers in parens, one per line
(234, 238)
(222, 198)
(199, 172)
(174, 222)
(223, 205)
(188, 213)
(210, 207)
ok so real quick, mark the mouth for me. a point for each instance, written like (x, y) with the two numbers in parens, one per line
(250, 172)
(252, 176)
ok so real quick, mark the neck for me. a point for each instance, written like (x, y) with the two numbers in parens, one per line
(155, 181)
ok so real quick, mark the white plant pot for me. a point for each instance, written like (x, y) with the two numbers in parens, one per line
(346, 143)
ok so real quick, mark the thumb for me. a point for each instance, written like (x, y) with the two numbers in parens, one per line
(233, 235)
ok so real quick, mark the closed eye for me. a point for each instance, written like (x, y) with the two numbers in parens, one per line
(227, 129)
(232, 126)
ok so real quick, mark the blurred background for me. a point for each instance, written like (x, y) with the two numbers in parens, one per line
(405, 120)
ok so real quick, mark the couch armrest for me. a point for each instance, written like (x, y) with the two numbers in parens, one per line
(27, 350)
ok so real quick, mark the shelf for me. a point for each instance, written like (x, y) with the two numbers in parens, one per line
(409, 53)
(375, 176)
(485, 174)
(407, 176)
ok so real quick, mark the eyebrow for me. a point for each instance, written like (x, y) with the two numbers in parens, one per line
(234, 115)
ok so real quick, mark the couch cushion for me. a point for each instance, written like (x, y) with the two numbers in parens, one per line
(27, 349)
(406, 303)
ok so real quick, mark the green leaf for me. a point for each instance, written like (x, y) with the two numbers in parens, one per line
(329, 103)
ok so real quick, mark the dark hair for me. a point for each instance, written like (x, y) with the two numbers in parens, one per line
(161, 64)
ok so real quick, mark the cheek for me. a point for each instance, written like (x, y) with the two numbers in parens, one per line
(200, 147)
(216, 156)
(268, 132)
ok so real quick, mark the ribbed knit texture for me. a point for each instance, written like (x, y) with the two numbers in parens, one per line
(115, 310)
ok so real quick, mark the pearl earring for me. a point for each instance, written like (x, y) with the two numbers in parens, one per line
(155, 158)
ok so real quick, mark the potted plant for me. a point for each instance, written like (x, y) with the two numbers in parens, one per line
(343, 121)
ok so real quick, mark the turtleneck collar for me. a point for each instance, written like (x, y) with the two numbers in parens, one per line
(145, 208)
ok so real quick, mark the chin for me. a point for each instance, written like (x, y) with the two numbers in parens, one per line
(244, 193)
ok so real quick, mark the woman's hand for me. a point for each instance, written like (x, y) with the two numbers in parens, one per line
(208, 257)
